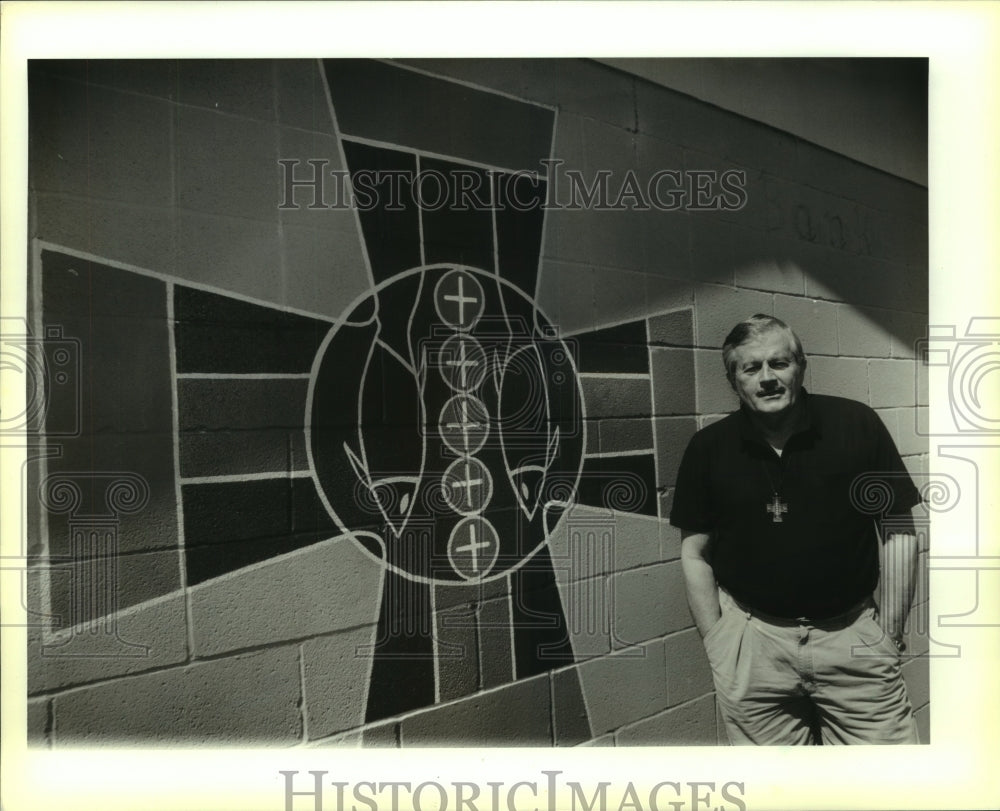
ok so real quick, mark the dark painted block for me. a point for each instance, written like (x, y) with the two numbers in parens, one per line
(672, 329)
(225, 453)
(241, 86)
(613, 349)
(569, 711)
(96, 142)
(208, 405)
(245, 184)
(389, 216)
(468, 594)
(519, 220)
(228, 525)
(402, 676)
(672, 437)
(517, 715)
(457, 652)
(673, 381)
(436, 115)
(496, 658)
(623, 483)
(616, 397)
(618, 436)
(78, 288)
(541, 634)
(461, 229)
(103, 470)
(216, 333)
(301, 95)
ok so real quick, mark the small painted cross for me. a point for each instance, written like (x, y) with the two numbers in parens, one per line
(777, 508)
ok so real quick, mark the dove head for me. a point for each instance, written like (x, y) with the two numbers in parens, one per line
(394, 495)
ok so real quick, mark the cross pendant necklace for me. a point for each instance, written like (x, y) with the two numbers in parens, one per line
(777, 507)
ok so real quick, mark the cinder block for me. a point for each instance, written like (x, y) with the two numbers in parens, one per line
(672, 437)
(815, 322)
(94, 142)
(624, 435)
(688, 673)
(637, 541)
(576, 86)
(496, 659)
(674, 328)
(278, 600)
(138, 235)
(715, 395)
(566, 294)
(619, 295)
(587, 607)
(670, 536)
(325, 204)
(779, 275)
(917, 676)
(242, 700)
(893, 382)
(241, 86)
(863, 332)
(458, 653)
(711, 244)
(673, 381)
(913, 430)
(247, 184)
(336, 673)
(612, 239)
(663, 293)
(301, 95)
(916, 465)
(691, 724)
(147, 77)
(648, 602)
(609, 148)
(38, 721)
(843, 377)
(571, 726)
(206, 404)
(381, 736)
(906, 330)
(718, 309)
(889, 417)
(216, 452)
(624, 687)
(515, 715)
(324, 268)
(616, 397)
(160, 626)
(230, 253)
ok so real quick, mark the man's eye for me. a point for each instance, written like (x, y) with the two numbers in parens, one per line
(749, 370)
(780, 364)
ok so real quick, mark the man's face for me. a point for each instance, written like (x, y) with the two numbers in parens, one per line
(767, 377)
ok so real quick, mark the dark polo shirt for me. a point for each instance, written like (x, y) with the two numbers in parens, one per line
(822, 558)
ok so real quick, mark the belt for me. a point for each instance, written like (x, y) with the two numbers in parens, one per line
(832, 623)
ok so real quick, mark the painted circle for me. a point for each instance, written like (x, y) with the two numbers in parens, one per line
(473, 547)
(459, 299)
(467, 486)
(462, 363)
(355, 431)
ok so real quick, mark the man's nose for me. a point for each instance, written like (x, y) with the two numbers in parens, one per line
(767, 378)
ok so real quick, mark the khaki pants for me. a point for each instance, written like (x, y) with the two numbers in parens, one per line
(796, 682)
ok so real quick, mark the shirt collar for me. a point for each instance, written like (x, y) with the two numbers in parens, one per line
(813, 423)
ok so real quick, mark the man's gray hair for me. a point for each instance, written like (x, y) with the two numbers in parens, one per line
(751, 329)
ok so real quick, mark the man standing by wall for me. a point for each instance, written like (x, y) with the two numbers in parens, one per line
(781, 564)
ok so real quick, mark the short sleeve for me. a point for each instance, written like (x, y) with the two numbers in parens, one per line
(692, 504)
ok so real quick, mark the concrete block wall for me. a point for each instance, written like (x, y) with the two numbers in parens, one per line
(178, 176)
